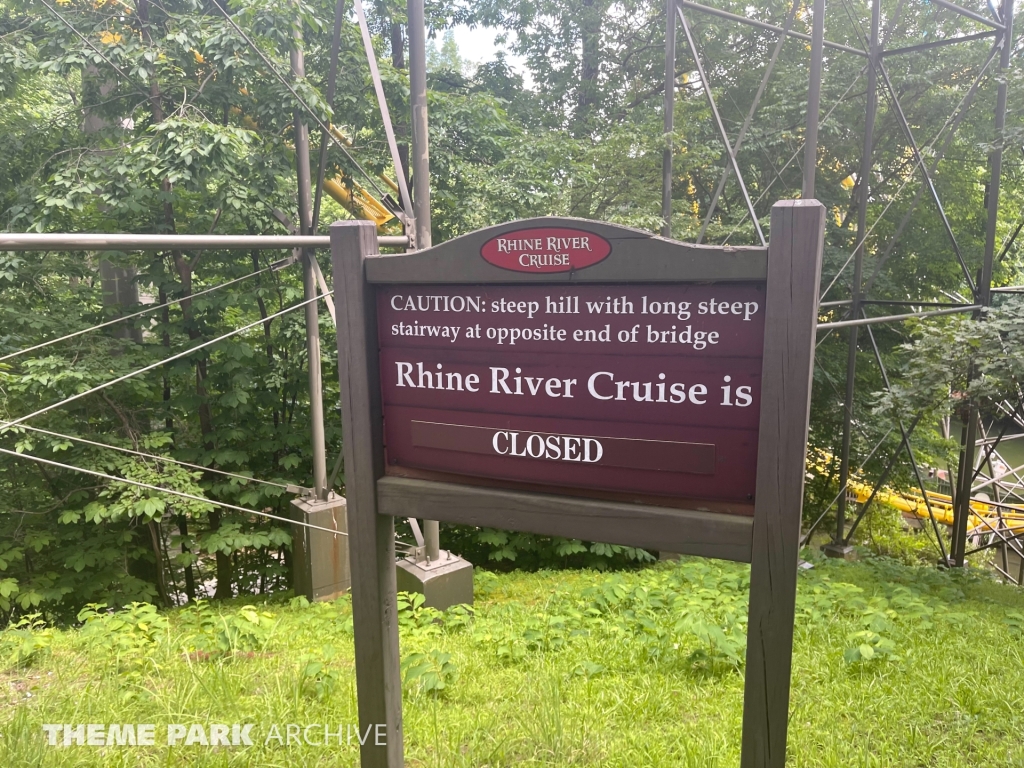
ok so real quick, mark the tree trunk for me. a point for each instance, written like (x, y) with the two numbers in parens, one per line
(158, 555)
(592, 13)
(190, 579)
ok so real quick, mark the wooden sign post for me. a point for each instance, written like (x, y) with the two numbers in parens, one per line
(579, 379)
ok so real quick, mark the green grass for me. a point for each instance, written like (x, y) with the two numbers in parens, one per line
(555, 669)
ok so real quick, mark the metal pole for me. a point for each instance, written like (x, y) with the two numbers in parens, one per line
(316, 400)
(962, 500)
(858, 270)
(996, 158)
(421, 176)
(670, 100)
(95, 241)
(814, 99)
(420, 136)
(965, 473)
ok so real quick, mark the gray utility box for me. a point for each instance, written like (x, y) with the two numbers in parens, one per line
(444, 582)
(320, 565)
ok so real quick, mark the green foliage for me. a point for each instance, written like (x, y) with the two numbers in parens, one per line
(246, 630)
(876, 632)
(25, 642)
(126, 638)
(196, 136)
(509, 549)
(316, 679)
(429, 673)
(885, 531)
(958, 359)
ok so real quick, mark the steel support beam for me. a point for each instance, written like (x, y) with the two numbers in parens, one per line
(88, 241)
(896, 318)
(910, 450)
(669, 117)
(421, 174)
(864, 186)
(325, 138)
(385, 113)
(705, 84)
(420, 136)
(972, 14)
(762, 25)
(814, 99)
(939, 43)
(309, 287)
(983, 291)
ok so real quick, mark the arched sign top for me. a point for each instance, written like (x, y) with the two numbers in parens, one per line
(567, 250)
(545, 249)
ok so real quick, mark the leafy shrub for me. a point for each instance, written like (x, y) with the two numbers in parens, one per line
(211, 632)
(130, 631)
(430, 672)
(886, 533)
(316, 679)
(24, 642)
(508, 550)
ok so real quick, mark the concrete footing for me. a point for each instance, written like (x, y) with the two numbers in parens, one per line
(444, 582)
(320, 566)
(841, 551)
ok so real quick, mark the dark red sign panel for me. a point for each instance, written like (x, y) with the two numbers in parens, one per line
(651, 390)
(546, 249)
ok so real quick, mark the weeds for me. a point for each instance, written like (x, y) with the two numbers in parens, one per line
(560, 669)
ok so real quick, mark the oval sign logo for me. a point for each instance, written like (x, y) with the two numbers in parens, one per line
(546, 249)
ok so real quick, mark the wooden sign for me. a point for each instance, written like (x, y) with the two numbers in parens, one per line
(579, 379)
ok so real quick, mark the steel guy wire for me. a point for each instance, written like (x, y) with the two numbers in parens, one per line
(911, 174)
(806, 537)
(167, 459)
(98, 52)
(158, 363)
(284, 81)
(169, 491)
(275, 266)
(800, 147)
(385, 114)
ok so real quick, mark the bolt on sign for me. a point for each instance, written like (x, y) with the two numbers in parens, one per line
(580, 379)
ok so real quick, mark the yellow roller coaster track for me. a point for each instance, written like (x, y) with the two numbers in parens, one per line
(984, 515)
(354, 198)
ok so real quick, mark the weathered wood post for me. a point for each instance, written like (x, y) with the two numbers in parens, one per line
(371, 535)
(794, 273)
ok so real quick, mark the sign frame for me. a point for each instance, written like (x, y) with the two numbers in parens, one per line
(769, 541)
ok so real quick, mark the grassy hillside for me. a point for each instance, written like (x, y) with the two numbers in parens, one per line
(893, 666)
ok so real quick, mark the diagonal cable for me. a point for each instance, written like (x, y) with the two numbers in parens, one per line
(284, 81)
(905, 126)
(385, 115)
(291, 488)
(718, 121)
(168, 491)
(158, 363)
(951, 124)
(800, 146)
(275, 266)
(734, 150)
